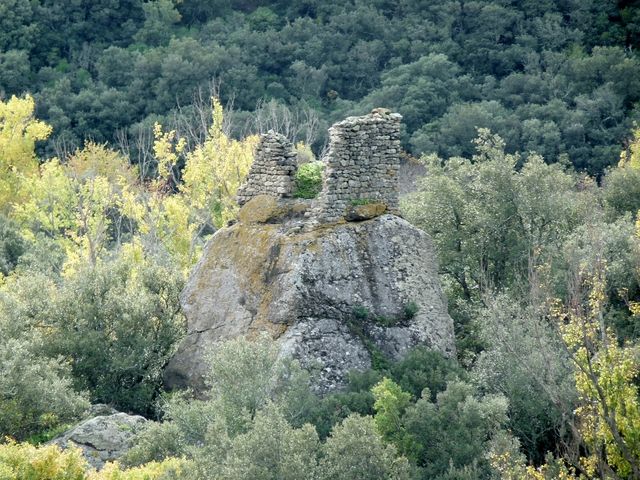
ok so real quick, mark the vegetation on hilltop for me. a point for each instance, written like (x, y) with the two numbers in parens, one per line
(557, 78)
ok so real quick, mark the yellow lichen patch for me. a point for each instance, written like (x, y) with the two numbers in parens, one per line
(259, 209)
(265, 208)
(260, 325)
(248, 250)
(366, 211)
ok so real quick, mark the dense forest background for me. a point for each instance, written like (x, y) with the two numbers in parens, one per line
(126, 128)
(557, 77)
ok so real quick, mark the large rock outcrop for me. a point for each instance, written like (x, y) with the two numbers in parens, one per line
(337, 281)
(331, 296)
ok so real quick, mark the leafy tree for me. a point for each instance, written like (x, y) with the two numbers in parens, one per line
(252, 425)
(422, 369)
(82, 203)
(160, 16)
(36, 392)
(622, 190)
(206, 198)
(17, 25)
(615, 244)
(119, 323)
(270, 450)
(609, 409)
(621, 184)
(419, 370)
(607, 405)
(12, 246)
(492, 221)
(14, 68)
(19, 132)
(524, 360)
(422, 90)
(390, 405)
(454, 133)
(245, 377)
(462, 422)
(356, 451)
(332, 409)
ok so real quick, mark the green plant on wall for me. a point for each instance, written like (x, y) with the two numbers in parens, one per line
(362, 315)
(309, 180)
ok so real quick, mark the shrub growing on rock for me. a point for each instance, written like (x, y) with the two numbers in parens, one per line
(309, 180)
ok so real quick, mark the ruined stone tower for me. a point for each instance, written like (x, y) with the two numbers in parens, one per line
(361, 168)
(273, 170)
(331, 280)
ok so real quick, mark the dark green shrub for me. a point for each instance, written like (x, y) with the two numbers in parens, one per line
(361, 312)
(12, 245)
(35, 391)
(410, 310)
(119, 323)
(423, 368)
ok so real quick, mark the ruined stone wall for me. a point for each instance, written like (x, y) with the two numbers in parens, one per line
(361, 166)
(273, 170)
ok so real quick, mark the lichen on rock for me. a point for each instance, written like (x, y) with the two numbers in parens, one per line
(103, 438)
(303, 288)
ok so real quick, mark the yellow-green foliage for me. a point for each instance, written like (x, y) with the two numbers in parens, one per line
(94, 200)
(171, 468)
(609, 410)
(23, 461)
(205, 199)
(309, 180)
(18, 133)
(631, 156)
(80, 201)
(507, 467)
(390, 404)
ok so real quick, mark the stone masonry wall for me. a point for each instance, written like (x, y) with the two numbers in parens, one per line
(273, 170)
(362, 165)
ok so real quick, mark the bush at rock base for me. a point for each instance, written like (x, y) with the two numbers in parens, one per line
(22, 461)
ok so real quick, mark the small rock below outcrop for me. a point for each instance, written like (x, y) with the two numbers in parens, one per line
(103, 438)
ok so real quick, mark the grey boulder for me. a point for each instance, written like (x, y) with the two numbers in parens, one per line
(103, 438)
